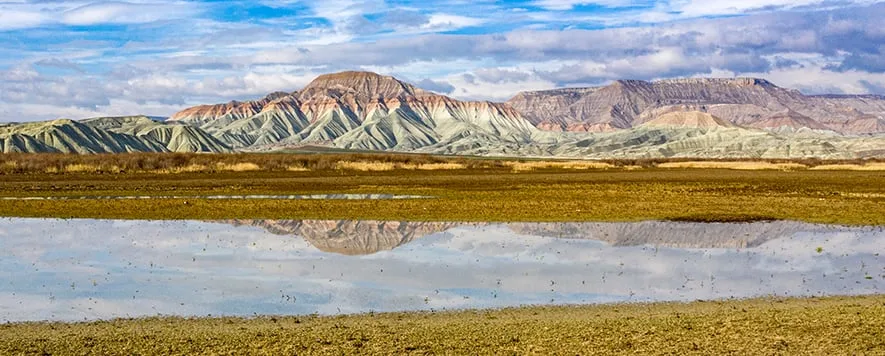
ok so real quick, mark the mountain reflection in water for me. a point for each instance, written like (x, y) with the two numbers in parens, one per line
(98, 269)
(360, 237)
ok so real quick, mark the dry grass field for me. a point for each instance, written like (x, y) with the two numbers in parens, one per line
(816, 326)
(462, 189)
(25, 163)
(739, 165)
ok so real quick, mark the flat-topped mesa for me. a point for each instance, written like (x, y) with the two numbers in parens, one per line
(740, 81)
(743, 101)
(372, 85)
(724, 88)
(538, 106)
(560, 91)
(850, 96)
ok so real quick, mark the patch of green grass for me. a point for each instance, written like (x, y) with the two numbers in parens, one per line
(850, 197)
(844, 325)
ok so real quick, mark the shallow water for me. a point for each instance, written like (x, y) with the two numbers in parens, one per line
(231, 197)
(54, 269)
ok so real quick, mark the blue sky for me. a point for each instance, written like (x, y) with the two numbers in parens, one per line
(87, 58)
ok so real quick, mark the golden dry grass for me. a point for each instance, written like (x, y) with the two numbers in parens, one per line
(297, 168)
(81, 168)
(85, 168)
(737, 165)
(366, 166)
(814, 326)
(390, 166)
(239, 167)
(851, 167)
(192, 168)
(518, 166)
(433, 166)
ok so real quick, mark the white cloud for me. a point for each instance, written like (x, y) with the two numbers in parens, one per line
(818, 80)
(199, 60)
(695, 8)
(442, 22)
(469, 87)
(569, 4)
(11, 19)
(123, 12)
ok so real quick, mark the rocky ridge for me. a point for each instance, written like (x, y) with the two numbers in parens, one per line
(697, 118)
(106, 135)
(749, 102)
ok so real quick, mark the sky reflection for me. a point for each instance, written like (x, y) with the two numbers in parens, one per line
(53, 269)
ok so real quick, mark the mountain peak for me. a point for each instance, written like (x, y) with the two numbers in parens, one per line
(367, 83)
(275, 95)
(350, 75)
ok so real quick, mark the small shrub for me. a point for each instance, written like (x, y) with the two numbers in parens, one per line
(297, 168)
(81, 168)
(239, 167)
(365, 166)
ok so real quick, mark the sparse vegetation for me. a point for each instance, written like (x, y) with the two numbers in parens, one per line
(480, 191)
(875, 166)
(434, 166)
(519, 166)
(739, 165)
(13, 163)
(129, 163)
(239, 167)
(366, 166)
(843, 325)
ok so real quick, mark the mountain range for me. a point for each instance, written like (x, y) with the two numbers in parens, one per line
(705, 118)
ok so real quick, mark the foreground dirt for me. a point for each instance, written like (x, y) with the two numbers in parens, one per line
(844, 325)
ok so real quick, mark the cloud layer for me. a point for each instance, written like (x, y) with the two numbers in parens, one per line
(87, 58)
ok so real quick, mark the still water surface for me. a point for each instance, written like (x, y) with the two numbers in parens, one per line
(52, 269)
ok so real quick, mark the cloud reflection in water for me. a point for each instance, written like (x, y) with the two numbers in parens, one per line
(98, 269)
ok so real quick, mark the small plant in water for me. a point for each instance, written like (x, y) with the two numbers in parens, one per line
(820, 250)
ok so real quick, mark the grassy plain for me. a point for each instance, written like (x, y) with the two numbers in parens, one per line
(819, 326)
(463, 189)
